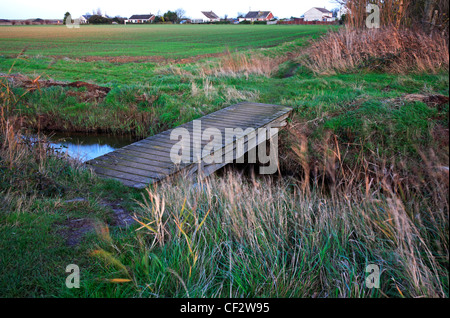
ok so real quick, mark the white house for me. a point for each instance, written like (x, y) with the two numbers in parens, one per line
(84, 19)
(205, 17)
(257, 16)
(318, 14)
(141, 18)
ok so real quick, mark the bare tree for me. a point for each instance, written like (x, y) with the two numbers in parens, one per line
(180, 13)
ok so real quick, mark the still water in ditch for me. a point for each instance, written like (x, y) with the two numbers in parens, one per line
(85, 147)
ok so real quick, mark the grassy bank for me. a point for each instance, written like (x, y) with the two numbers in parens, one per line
(364, 164)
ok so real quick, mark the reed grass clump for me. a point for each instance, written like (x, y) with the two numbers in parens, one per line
(390, 50)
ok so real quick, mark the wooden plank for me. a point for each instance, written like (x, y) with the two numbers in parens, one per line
(248, 114)
(221, 125)
(196, 138)
(150, 150)
(163, 167)
(129, 171)
(243, 113)
(144, 156)
(212, 122)
(120, 175)
(129, 162)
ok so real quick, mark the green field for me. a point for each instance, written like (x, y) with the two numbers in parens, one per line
(172, 41)
(362, 168)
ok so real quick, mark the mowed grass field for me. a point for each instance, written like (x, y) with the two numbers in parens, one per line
(173, 41)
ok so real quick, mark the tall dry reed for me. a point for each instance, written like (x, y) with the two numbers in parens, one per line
(387, 50)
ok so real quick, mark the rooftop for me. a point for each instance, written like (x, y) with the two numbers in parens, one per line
(210, 15)
(257, 14)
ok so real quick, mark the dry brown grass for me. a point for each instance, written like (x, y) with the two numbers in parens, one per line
(241, 64)
(388, 50)
(13, 148)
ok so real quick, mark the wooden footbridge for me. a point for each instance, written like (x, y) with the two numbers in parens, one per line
(149, 160)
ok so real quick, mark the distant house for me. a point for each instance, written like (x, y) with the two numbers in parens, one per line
(38, 21)
(141, 18)
(84, 19)
(318, 14)
(257, 16)
(5, 22)
(206, 17)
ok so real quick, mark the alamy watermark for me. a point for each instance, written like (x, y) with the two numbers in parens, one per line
(73, 279)
(373, 19)
(373, 277)
(226, 148)
(71, 24)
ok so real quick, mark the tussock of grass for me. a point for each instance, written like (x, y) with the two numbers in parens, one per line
(389, 50)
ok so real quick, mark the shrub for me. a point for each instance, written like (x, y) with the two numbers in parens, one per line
(97, 19)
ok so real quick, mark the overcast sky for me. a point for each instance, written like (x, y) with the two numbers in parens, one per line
(53, 9)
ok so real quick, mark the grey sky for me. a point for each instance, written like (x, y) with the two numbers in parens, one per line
(51, 9)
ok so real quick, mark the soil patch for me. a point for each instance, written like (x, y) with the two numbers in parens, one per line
(73, 230)
(432, 100)
(91, 92)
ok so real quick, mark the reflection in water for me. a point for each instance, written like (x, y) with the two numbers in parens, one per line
(86, 147)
